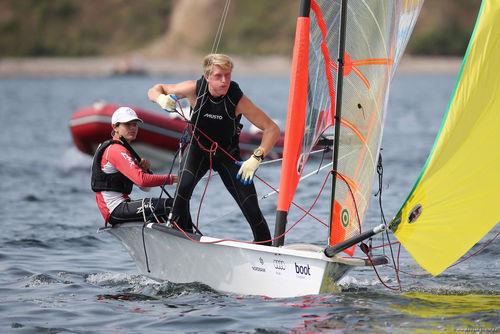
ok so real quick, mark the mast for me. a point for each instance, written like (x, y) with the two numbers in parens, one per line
(338, 104)
(295, 123)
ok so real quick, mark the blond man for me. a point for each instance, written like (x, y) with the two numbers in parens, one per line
(217, 106)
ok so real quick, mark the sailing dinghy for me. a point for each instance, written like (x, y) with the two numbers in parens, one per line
(344, 57)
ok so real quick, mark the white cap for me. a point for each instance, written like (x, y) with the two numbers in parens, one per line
(124, 115)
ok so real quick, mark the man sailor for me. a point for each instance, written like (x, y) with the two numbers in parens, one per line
(217, 105)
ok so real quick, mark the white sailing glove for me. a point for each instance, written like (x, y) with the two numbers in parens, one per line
(167, 102)
(247, 170)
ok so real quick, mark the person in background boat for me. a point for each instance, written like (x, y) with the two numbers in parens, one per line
(217, 105)
(115, 171)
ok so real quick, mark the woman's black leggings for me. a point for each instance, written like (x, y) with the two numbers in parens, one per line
(194, 167)
(147, 209)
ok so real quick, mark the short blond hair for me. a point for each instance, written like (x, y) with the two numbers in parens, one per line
(216, 59)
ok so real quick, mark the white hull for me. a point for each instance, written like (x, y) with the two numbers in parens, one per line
(232, 267)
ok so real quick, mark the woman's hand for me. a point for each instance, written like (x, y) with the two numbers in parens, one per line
(145, 165)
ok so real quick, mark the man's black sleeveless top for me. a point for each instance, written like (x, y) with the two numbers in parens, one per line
(108, 182)
(216, 116)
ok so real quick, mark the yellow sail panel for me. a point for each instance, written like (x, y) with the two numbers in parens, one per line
(456, 200)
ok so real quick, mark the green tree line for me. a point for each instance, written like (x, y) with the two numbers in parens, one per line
(33, 28)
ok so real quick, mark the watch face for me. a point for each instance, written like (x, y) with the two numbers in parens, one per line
(258, 152)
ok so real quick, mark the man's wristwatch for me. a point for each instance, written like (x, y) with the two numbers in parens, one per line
(258, 154)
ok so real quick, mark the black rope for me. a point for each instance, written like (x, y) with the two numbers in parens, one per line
(144, 246)
(380, 172)
(182, 142)
(325, 150)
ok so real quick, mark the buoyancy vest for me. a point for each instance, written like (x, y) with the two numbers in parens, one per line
(101, 181)
(216, 116)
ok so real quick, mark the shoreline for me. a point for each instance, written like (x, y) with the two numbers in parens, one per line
(136, 65)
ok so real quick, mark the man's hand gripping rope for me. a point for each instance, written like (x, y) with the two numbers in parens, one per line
(167, 102)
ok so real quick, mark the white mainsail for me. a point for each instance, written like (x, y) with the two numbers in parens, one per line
(376, 35)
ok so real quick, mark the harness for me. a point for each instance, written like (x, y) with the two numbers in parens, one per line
(101, 181)
(216, 116)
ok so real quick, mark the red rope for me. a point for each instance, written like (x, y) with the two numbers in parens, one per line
(211, 151)
(476, 252)
(293, 203)
(396, 267)
(398, 288)
(264, 241)
(219, 240)
(213, 148)
(387, 244)
(352, 196)
(307, 212)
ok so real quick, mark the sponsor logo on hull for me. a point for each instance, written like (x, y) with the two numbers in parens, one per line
(254, 268)
(279, 264)
(257, 268)
(302, 270)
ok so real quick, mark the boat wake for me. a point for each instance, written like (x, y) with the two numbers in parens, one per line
(139, 287)
(42, 280)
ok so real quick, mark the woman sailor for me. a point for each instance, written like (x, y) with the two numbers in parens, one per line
(115, 171)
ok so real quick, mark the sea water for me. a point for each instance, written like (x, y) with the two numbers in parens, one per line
(58, 275)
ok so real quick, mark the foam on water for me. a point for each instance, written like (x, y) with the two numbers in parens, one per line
(43, 279)
(145, 286)
(119, 279)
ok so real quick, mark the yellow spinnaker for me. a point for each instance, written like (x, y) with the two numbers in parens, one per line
(458, 190)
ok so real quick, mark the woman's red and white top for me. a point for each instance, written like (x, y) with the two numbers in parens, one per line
(116, 158)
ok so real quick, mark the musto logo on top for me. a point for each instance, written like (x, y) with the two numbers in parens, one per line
(302, 270)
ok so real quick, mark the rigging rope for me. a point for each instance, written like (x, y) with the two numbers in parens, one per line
(202, 92)
(367, 249)
(256, 176)
(380, 173)
(220, 28)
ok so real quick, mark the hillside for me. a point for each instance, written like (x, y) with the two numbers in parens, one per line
(79, 28)
(62, 28)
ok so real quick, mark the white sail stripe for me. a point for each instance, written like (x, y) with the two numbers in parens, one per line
(384, 42)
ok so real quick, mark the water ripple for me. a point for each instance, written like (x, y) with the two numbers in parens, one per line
(28, 242)
(44, 279)
(32, 198)
(138, 287)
